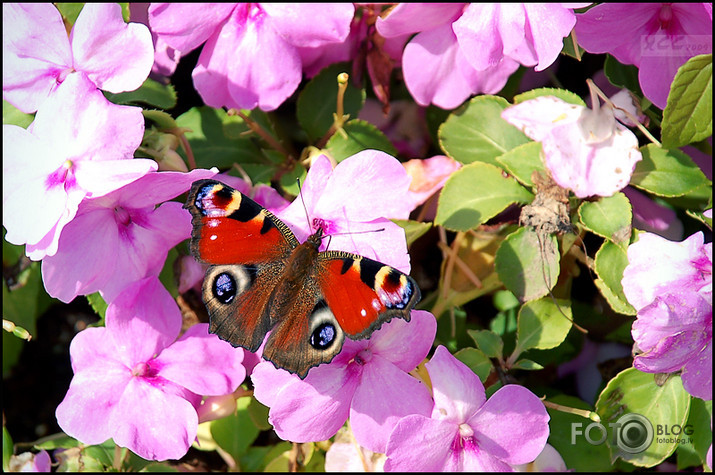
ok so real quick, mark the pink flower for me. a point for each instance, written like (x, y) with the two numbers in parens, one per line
(585, 150)
(166, 58)
(357, 197)
(653, 217)
(80, 145)
(465, 431)
(661, 38)
(38, 56)
(529, 33)
(673, 297)
(429, 176)
(435, 63)
(251, 56)
(29, 462)
(136, 383)
(367, 382)
(121, 237)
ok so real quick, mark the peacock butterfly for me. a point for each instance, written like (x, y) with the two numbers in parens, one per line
(262, 279)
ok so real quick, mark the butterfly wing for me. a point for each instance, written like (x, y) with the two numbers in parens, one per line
(247, 246)
(307, 334)
(363, 293)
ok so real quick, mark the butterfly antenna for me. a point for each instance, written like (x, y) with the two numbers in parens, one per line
(305, 208)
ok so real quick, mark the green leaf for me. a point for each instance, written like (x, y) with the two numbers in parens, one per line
(528, 265)
(609, 217)
(621, 75)
(632, 392)
(699, 421)
(476, 360)
(688, 115)
(413, 229)
(542, 324)
(488, 342)
(13, 116)
(358, 135)
(477, 133)
(563, 94)
(666, 172)
(317, 101)
(527, 365)
(7, 449)
(151, 93)
(216, 139)
(98, 304)
(610, 262)
(475, 193)
(522, 161)
(578, 454)
(237, 432)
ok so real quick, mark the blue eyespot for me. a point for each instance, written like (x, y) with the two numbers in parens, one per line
(224, 288)
(323, 336)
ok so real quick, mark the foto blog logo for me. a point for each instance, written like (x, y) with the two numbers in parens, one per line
(632, 433)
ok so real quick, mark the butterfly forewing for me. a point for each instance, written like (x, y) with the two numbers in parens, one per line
(231, 228)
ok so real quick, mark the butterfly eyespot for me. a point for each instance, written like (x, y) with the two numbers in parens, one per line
(224, 288)
(323, 336)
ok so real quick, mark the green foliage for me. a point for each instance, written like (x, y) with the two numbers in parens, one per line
(688, 116)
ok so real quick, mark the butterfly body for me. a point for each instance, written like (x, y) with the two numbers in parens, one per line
(262, 279)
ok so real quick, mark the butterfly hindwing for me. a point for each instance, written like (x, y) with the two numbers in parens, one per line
(307, 335)
(236, 299)
(363, 293)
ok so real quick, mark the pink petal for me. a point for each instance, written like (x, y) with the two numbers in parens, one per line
(81, 265)
(698, 374)
(296, 22)
(385, 395)
(36, 51)
(305, 411)
(458, 393)
(86, 411)
(669, 315)
(653, 217)
(115, 55)
(595, 28)
(537, 117)
(82, 125)
(410, 18)
(31, 208)
(548, 25)
(382, 179)
(145, 244)
(143, 320)
(154, 188)
(104, 176)
(144, 407)
(191, 362)
(90, 346)
(429, 64)
(405, 344)
(418, 443)
(478, 32)
(644, 278)
(184, 26)
(512, 425)
(381, 240)
(600, 169)
(273, 75)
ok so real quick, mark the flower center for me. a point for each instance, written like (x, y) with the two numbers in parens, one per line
(665, 16)
(363, 357)
(122, 216)
(63, 176)
(143, 370)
